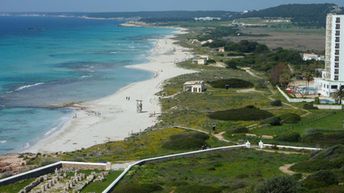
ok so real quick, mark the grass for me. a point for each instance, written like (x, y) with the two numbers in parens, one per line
(14, 188)
(325, 120)
(145, 145)
(98, 187)
(230, 171)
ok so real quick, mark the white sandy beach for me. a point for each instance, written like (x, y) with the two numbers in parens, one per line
(115, 118)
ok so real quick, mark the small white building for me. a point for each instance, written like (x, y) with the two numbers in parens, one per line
(207, 42)
(201, 60)
(312, 56)
(194, 86)
(221, 49)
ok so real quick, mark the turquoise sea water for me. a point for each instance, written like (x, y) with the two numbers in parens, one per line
(47, 61)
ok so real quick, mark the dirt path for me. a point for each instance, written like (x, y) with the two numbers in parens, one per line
(250, 72)
(218, 136)
(286, 169)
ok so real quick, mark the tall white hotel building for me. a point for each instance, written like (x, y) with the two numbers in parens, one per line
(333, 74)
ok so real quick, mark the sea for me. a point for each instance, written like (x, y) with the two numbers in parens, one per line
(48, 62)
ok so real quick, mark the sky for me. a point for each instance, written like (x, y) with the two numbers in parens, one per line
(142, 5)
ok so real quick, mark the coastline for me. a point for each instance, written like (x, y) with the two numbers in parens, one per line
(114, 118)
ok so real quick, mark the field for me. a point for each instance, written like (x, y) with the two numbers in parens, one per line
(291, 37)
(232, 171)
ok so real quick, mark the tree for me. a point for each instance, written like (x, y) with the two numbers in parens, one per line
(282, 184)
(308, 77)
(280, 74)
(339, 95)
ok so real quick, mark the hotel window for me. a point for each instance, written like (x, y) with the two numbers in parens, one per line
(336, 59)
(338, 26)
(337, 52)
(338, 20)
(336, 65)
(337, 39)
(336, 78)
(337, 46)
(334, 86)
(337, 33)
(336, 71)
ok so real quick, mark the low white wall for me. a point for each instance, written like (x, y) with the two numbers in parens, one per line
(293, 100)
(329, 107)
(292, 147)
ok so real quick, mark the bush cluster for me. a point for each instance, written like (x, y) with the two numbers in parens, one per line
(241, 130)
(231, 83)
(291, 137)
(249, 113)
(186, 141)
(320, 179)
(283, 184)
(136, 187)
(290, 118)
(276, 103)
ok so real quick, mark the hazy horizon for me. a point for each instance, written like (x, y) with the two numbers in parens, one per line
(147, 5)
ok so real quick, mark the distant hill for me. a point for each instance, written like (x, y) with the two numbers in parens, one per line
(301, 14)
(147, 16)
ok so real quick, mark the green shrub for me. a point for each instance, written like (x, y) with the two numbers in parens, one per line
(186, 141)
(329, 159)
(249, 113)
(197, 189)
(309, 106)
(290, 118)
(324, 137)
(291, 137)
(320, 179)
(276, 103)
(231, 83)
(273, 121)
(211, 61)
(241, 130)
(317, 100)
(139, 188)
(283, 184)
(312, 135)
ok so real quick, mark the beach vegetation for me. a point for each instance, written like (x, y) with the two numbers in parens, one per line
(231, 83)
(249, 113)
(236, 171)
(276, 103)
(290, 118)
(187, 141)
(280, 184)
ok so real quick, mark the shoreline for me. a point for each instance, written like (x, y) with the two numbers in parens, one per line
(114, 118)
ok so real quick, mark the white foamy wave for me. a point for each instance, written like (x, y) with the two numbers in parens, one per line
(3, 141)
(85, 76)
(113, 52)
(27, 145)
(60, 125)
(28, 86)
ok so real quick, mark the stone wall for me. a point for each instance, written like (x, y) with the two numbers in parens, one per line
(51, 168)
